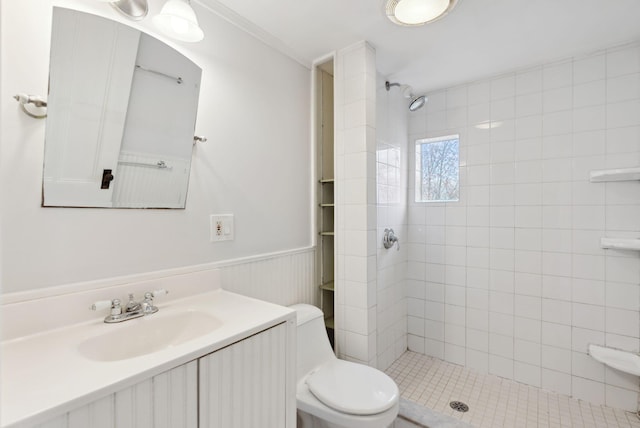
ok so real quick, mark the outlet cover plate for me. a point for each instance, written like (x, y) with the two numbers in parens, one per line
(221, 227)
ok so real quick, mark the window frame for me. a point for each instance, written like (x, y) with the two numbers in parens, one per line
(418, 167)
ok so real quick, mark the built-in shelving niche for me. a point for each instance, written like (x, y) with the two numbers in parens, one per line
(325, 194)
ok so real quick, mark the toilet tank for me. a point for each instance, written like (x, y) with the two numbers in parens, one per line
(314, 348)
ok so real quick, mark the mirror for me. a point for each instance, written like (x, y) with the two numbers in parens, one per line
(121, 116)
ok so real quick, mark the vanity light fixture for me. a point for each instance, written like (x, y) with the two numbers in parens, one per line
(178, 21)
(418, 12)
(132, 9)
(176, 18)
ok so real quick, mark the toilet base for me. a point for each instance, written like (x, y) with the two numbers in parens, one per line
(305, 420)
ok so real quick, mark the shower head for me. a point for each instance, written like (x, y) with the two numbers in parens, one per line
(417, 101)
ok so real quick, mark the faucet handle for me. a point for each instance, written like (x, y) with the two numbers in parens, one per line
(147, 304)
(114, 305)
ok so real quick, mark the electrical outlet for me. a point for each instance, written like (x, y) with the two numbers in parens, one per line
(221, 227)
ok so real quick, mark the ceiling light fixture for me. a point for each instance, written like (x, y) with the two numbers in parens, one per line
(178, 20)
(418, 12)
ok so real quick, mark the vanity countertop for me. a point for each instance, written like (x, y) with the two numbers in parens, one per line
(44, 375)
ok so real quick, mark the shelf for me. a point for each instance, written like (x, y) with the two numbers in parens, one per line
(628, 362)
(621, 174)
(329, 286)
(330, 323)
(328, 205)
(620, 244)
(327, 233)
(327, 180)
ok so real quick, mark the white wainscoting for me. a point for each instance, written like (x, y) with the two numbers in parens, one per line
(283, 278)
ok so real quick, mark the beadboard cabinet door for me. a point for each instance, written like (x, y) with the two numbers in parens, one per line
(244, 385)
(168, 400)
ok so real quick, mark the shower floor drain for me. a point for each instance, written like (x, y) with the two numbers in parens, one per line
(459, 406)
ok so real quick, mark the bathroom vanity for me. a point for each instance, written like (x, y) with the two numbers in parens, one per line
(207, 358)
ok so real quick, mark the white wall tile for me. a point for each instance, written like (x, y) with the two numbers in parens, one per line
(623, 296)
(620, 397)
(478, 340)
(623, 140)
(556, 335)
(626, 113)
(557, 75)
(590, 94)
(528, 284)
(527, 373)
(477, 360)
(529, 81)
(556, 359)
(479, 92)
(623, 61)
(434, 330)
(528, 307)
(623, 322)
(621, 379)
(581, 338)
(502, 324)
(556, 287)
(589, 69)
(528, 329)
(623, 88)
(584, 366)
(527, 352)
(501, 366)
(454, 354)
(588, 390)
(503, 87)
(588, 316)
(556, 311)
(556, 381)
(589, 291)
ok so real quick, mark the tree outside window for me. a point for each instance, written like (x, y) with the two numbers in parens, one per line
(437, 169)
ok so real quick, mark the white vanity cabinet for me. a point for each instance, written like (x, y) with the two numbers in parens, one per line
(243, 385)
(169, 400)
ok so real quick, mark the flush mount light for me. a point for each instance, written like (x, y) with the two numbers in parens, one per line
(418, 12)
(178, 20)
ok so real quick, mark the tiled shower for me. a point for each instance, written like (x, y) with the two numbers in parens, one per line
(511, 279)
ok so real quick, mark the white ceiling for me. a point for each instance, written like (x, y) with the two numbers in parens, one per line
(479, 38)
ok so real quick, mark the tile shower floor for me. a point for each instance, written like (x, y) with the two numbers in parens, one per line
(496, 402)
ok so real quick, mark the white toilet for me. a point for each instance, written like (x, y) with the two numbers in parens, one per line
(334, 393)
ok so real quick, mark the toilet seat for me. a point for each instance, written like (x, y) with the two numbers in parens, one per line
(353, 388)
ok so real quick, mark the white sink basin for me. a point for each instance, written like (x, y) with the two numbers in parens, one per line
(148, 334)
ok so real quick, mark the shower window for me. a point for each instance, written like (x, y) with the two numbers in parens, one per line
(437, 169)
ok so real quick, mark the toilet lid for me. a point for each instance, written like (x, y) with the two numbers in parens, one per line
(353, 388)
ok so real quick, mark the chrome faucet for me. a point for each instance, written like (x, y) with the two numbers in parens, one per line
(132, 310)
